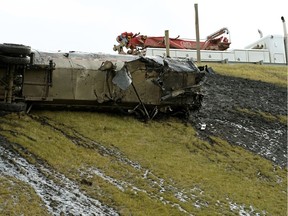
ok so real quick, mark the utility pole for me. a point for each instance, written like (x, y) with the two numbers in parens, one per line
(197, 33)
(167, 43)
(285, 39)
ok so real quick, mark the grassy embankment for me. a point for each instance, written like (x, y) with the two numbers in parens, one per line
(208, 174)
(274, 74)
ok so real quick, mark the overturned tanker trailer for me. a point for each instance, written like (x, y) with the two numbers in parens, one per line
(143, 85)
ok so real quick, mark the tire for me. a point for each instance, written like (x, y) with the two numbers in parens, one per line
(15, 60)
(13, 107)
(15, 49)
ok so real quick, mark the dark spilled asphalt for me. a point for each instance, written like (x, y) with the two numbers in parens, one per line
(224, 99)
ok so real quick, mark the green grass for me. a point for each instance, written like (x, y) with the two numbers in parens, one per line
(214, 172)
(267, 73)
(265, 115)
(17, 198)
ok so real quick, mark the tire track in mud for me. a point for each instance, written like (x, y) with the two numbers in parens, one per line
(63, 197)
(193, 195)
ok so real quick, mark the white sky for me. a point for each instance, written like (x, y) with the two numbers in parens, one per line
(92, 25)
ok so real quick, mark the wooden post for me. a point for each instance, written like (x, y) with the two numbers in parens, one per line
(285, 39)
(197, 33)
(167, 43)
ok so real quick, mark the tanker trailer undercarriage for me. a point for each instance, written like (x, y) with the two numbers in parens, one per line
(143, 85)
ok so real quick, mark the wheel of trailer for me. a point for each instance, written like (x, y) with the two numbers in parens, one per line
(15, 49)
(15, 60)
(13, 107)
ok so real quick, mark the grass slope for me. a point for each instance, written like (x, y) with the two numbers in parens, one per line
(208, 176)
(274, 74)
(154, 168)
(18, 198)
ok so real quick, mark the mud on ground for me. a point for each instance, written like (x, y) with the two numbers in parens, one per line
(222, 112)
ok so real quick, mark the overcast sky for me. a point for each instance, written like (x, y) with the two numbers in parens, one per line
(92, 25)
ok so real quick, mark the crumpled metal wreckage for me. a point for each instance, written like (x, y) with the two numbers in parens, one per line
(145, 85)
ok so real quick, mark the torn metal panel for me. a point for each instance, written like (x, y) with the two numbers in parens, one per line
(180, 65)
(122, 78)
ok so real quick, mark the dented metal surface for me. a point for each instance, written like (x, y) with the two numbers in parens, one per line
(132, 83)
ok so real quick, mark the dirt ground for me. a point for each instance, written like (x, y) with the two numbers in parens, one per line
(224, 98)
